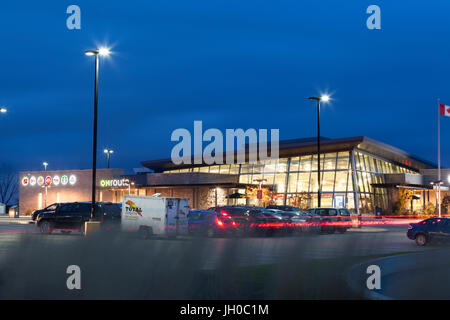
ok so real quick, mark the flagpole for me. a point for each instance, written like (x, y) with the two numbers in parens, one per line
(439, 160)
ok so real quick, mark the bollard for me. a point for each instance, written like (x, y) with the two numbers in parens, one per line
(91, 227)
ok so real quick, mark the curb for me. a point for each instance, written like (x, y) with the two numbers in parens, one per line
(356, 275)
(369, 229)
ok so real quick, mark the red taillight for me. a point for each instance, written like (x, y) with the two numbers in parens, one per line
(219, 222)
(234, 224)
(224, 214)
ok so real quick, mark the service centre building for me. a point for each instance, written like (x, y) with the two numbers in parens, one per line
(357, 173)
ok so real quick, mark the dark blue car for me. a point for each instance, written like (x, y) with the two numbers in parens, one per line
(209, 223)
(432, 229)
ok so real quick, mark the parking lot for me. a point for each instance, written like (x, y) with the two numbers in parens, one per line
(308, 266)
(259, 250)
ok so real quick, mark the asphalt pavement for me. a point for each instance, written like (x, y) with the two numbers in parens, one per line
(33, 265)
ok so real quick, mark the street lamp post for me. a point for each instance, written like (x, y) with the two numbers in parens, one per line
(324, 98)
(96, 53)
(45, 164)
(108, 155)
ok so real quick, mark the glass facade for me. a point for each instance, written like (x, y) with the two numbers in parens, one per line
(294, 180)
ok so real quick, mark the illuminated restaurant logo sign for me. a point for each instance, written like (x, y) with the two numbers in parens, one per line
(64, 180)
(25, 181)
(114, 183)
(56, 180)
(33, 181)
(40, 181)
(48, 180)
(72, 179)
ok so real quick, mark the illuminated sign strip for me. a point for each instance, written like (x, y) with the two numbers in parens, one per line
(48, 180)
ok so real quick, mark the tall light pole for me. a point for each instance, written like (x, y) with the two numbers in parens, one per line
(108, 155)
(45, 164)
(324, 98)
(96, 53)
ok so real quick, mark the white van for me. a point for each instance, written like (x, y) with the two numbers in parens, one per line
(161, 216)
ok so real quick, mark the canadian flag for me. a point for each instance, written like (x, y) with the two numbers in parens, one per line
(445, 110)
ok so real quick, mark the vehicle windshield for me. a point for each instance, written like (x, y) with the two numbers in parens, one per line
(51, 207)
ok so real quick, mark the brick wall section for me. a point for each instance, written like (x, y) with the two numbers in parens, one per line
(80, 191)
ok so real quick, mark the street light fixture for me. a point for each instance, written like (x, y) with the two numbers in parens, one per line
(3, 110)
(324, 98)
(96, 53)
(108, 155)
(45, 164)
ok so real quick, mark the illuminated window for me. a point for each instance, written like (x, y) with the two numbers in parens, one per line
(293, 182)
(295, 164)
(270, 166)
(214, 169)
(341, 181)
(342, 162)
(282, 165)
(327, 181)
(305, 163)
(303, 182)
(224, 169)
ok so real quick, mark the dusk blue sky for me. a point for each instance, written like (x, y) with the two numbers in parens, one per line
(230, 63)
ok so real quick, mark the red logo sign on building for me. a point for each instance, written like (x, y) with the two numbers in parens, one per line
(48, 180)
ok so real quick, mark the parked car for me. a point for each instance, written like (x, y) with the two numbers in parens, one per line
(208, 223)
(429, 230)
(71, 216)
(332, 219)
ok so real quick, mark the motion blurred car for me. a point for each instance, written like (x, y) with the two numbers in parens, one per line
(71, 216)
(429, 230)
(284, 208)
(208, 223)
(296, 221)
(252, 220)
(332, 219)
